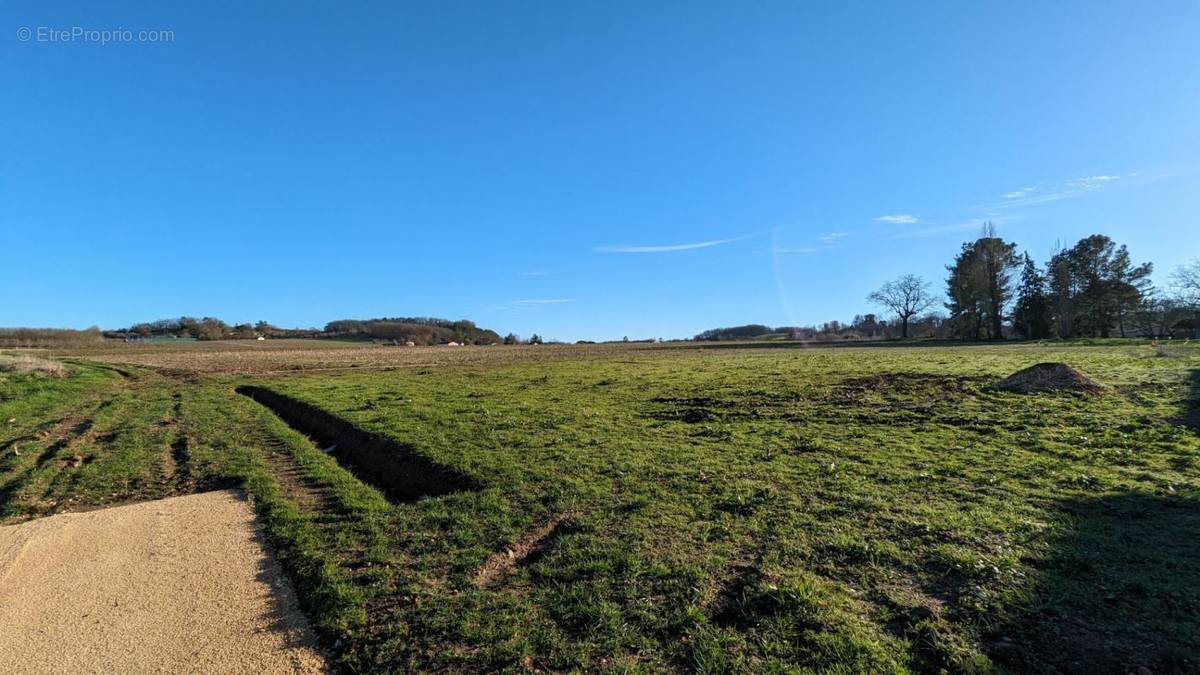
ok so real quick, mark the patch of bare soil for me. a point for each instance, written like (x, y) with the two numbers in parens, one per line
(726, 605)
(177, 585)
(919, 387)
(1049, 377)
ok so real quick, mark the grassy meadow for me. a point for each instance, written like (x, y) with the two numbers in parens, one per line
(719, 508)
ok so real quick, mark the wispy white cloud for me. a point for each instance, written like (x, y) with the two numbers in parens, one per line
(1035, 199)
(834, 237)
(670, 248)
(899, 219)
(1030, 195)
(1078, 187)
(1091, 182)
(539, 273)
(1147, 176)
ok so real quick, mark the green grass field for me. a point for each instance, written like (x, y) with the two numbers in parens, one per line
(722, 509)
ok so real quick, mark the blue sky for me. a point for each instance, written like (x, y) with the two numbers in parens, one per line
(580, 170)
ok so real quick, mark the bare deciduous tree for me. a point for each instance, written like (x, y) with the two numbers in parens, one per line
(1187, 281)
(906, 297)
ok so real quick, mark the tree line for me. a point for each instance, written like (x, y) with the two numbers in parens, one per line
(862, 327)
(417, 330)
(399, 330)
(1092, 289)
(50, 337)
(993, 291)
(206, 328)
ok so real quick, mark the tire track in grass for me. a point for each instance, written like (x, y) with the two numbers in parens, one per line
(309, 495)
(530, 548)
(176, 462)
(66, 433)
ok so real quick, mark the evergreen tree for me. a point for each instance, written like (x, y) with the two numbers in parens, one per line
(1094, 287)
(962, 288)
(1090, 261)
(1031, 315)
(980, 285)
(997, 259)
(1130, 286)
(1061, 285)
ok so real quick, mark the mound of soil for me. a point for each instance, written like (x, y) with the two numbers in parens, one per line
(1049, 377)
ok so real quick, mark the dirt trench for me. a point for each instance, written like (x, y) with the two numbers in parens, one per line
(399, 472)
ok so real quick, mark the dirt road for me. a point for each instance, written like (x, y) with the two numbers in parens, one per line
(176, 585)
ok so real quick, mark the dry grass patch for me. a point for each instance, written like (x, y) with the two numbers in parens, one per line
(25, 363)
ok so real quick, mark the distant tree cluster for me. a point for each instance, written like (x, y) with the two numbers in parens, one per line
(862, 327)
(401, 330)
(993, 292)
(206, 328)
(747, 332)
(1093, 289)
(49, 337)
(418, 330)
(873, 327)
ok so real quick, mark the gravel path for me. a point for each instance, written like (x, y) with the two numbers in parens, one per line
(175, 585)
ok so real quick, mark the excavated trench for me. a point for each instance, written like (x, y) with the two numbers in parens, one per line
(399, 472)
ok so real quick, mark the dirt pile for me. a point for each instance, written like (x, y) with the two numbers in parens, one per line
(1049, 377)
